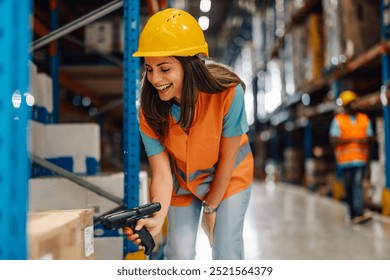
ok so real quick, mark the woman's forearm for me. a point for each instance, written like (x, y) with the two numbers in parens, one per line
(161, 192)
(161, 185)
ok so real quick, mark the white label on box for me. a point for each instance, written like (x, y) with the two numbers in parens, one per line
(47, 256)
(89, 241)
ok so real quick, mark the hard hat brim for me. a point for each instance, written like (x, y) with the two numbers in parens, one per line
(203, 50)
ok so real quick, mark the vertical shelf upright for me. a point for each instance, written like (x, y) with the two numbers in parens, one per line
(385, 34)
(131, 148)
(54, 60)
(308, 140)
(336, 88)
(14, 81)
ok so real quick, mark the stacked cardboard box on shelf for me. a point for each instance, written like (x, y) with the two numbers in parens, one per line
(288, 67)
(61, 235)
(307, 50)
(99, 36)
(53, 193)
(41, 88)
(72, 146)
(344, 30)
(299, 49)
(105, 35)
(351, 28)
(270, 29)
(314, 65)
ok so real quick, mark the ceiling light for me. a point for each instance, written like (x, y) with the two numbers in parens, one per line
(204, 22)
(205, 5)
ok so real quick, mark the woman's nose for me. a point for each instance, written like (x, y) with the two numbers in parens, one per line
(154, 78)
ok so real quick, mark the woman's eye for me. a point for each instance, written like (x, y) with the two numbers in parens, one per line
(165, 70)
(148, 70)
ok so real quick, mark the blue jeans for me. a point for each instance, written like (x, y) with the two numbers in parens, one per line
(228, 244)
(353, 183)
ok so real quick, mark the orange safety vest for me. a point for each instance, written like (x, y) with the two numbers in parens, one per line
(352, 151)
(194, 156)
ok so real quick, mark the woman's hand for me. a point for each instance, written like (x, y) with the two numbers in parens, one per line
(208, 223)
(160, 190)
(152, 224)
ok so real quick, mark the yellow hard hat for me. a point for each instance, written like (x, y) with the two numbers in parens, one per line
(171, 32)
(347, 97)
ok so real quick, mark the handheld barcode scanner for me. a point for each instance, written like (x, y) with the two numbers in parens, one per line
(128, 218)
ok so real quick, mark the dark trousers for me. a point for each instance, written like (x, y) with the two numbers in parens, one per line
(353, 183)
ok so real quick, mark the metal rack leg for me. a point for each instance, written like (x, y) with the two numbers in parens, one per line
(14, 80)
(131, 128)
(386, 108)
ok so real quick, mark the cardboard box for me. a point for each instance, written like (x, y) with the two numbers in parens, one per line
(99, 36)
(299, 52)
(61, 235)
(351, 27)
(314, 65)
(72, 146)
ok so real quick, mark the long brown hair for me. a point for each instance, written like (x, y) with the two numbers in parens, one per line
(198, 76)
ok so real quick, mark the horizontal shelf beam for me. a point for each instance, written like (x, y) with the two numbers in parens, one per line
(74, 178)
(347, 68)
(76, 24)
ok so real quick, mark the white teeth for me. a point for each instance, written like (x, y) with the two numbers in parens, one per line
(163, 87)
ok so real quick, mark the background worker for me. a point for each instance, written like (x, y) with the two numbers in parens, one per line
(193, 125)
(351, 132)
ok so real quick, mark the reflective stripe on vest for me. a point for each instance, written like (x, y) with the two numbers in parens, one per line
(202, 189)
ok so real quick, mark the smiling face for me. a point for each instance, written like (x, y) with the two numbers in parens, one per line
(166, 75)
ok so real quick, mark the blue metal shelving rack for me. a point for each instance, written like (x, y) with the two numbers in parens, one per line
(131, 148)
(385, 33)
(14, 80)
(54, 61)
(131, 141)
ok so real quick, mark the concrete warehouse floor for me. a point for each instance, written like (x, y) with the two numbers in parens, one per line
(287, 222)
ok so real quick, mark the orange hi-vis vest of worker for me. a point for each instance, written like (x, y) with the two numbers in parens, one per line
(194, 154)
(352, 151)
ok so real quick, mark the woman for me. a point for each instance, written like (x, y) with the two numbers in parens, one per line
(193, 125)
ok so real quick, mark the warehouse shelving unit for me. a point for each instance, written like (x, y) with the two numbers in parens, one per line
(14, 73)
(130, 131)
(131, 12)
(14, 77)
(376, 57)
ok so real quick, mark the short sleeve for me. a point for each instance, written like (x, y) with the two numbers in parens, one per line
(235, 122)
(334, 130)
(149, 137)
(370, 131)
(152, 146)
